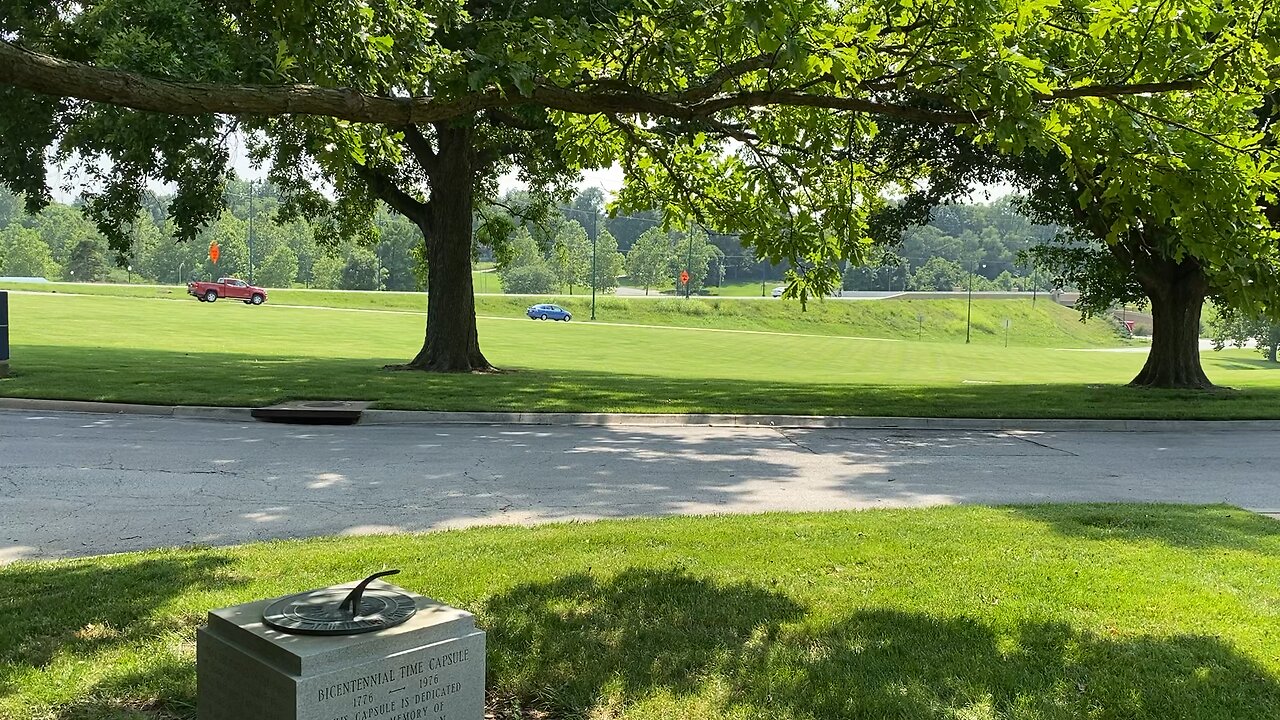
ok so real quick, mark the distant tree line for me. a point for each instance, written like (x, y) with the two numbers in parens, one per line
(533, 252)
(59, 243)
(981, 243)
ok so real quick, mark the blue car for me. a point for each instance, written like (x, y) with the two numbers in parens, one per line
(548, 312)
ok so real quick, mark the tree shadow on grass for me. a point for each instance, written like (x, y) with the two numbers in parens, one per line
(83, 609)
(1236, 363)
(1185, 526)
(586, 647)
(213, 378)
(886, 664)
(561, 645)
(165, 690)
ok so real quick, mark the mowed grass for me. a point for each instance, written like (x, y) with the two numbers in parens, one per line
(163, 352)
(1031, 613)
(486, 281)
(1033, 324)
(745, 289)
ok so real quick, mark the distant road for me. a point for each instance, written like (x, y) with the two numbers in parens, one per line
(89, 484)
(630, 292)
(627, 292)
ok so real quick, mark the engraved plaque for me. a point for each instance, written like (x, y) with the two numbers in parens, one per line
(368, 651)
(442, 681)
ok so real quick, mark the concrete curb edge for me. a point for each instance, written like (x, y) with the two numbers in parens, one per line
(84, 406)
(401, 417)
(429, 417)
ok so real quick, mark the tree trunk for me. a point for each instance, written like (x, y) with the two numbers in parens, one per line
(452, 343)
(1177, 292)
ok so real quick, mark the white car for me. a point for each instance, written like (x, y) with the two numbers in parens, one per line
(777, 292)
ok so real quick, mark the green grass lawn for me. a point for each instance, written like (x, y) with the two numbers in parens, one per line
(1042, 324)
(744, 289)
(1030, 613)
(485, 280)
(137, 350)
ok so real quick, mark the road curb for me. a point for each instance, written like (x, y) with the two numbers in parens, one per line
(83, 406)
(554, 419)
(852, 422)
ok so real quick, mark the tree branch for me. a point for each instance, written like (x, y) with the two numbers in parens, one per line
(717, 79)
(421, 148)
(793, 98)
(399, 200)
(47, 75)
(501, 117)
(1154, 88)
(1181, 126)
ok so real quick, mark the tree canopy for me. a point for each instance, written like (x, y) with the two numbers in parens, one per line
(755, 118)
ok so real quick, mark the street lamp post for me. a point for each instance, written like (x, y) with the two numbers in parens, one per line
(251, 232)
(689, 262)
(968, 315)
(595, 231)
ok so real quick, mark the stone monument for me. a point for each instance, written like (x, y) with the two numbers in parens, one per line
(360, 651)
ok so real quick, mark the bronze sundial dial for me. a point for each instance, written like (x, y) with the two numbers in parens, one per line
(338, 611)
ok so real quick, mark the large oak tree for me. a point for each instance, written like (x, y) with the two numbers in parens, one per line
(749, 116)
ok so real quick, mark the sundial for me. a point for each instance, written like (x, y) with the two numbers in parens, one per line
(341, 611)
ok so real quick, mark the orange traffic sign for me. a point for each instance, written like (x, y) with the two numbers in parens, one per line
(684, 276)
(213, 252)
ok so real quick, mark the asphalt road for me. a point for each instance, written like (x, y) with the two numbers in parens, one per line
(88, 484)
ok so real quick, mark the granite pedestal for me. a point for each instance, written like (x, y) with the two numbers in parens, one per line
(430, 667)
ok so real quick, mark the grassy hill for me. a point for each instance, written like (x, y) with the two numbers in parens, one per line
(167, 352)
(1039, 324)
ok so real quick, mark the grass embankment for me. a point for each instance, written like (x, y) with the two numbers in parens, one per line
(1040, 324)
(486, 281)
(745, 289)
(1036, 613)
(165, 352)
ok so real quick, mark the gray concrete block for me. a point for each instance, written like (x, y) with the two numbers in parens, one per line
(429, 667)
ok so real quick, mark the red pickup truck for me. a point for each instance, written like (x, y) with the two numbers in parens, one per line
(227, 288)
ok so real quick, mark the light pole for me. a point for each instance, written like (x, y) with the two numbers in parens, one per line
(251, 232)
(595, 231)
(968, 315)
(689, 262)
